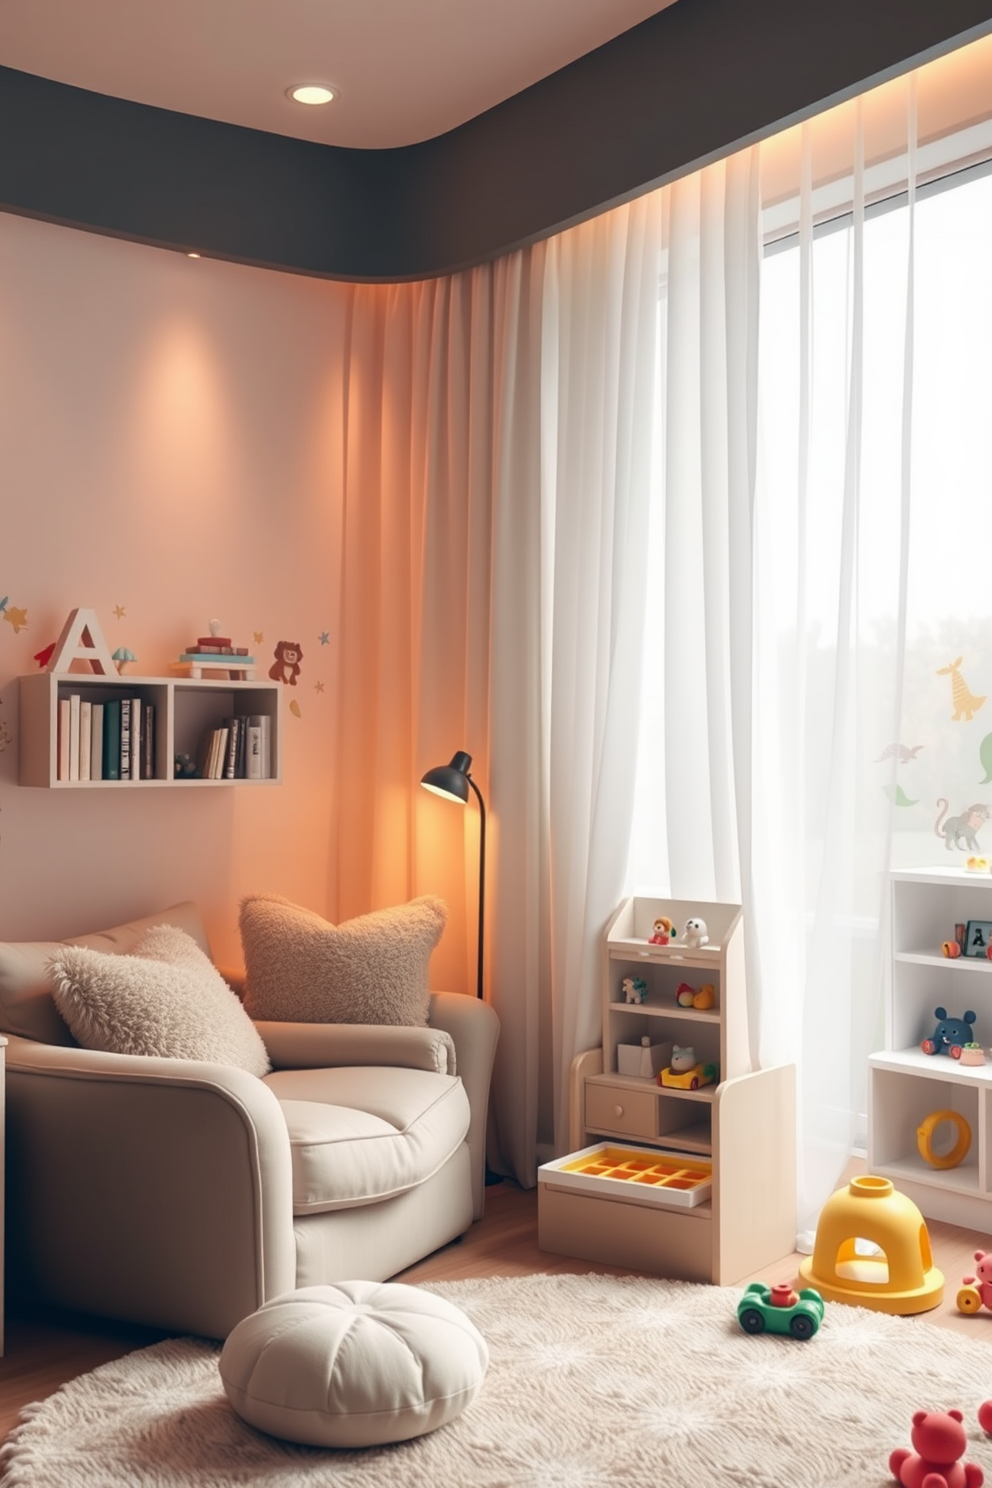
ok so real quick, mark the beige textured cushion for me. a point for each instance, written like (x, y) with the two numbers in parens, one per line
(166, 999)
(373, 969)
(26, 1005)
(353, 1365)
(364, 1134)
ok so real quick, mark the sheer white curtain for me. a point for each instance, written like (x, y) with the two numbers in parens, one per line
(570, 569)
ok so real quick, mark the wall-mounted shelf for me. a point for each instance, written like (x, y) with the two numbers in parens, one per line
(184, 710)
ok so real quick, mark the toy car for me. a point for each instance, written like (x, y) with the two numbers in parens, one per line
(779, 1309)
(690, 1079)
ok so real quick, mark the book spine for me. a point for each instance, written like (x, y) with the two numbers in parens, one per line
(220, 754)
(112, 740)
(63, 770)
(148, 742)
(85, 739)
(231, 760)
(137, 723)
(125, 766)
(253, 751)
(241, 767)
(74, 736)
(266, 747)
(96, 742)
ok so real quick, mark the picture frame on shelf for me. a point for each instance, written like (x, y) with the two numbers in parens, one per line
(977, 937)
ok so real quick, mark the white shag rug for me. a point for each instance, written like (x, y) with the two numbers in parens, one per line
(594, 1382)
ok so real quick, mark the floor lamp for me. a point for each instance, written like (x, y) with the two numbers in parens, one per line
(453, 781)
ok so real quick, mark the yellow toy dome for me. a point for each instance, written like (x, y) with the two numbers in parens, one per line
(901, 1279)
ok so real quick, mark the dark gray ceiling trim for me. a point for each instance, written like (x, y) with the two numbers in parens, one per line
(682, 88)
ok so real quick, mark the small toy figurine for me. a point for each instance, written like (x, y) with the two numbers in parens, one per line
(951, 949)
(682, 1058)
(634, 989)
(684, 995)
(940, 1441)
(184, 767)
(695, 933)
(780, 1309)
(972, 1054)
(705, 997)
(684, 1073)
(662, 931)
(950, 1035)
(976, 1291)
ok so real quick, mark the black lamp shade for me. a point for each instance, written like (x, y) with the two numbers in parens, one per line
(450, 780)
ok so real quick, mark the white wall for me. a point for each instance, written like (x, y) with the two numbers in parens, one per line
(168, 444)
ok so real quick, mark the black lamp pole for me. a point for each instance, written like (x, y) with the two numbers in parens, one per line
(453, 781)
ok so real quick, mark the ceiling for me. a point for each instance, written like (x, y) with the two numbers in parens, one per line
(407, 70)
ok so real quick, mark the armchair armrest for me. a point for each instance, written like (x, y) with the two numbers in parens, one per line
(325, 1045)
(153, 1190)
(474, 1029)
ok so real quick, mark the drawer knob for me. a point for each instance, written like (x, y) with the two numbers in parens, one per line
(618, 1110)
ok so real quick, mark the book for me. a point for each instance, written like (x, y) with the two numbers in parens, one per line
(136, 723)
(253, 751)
(234, 659)
(63, 769)
(125, 739)
(96, 742)
(112, 740)
(231, 753)
(74, 736)
(148, 742)
(85, 739)
(240, 769)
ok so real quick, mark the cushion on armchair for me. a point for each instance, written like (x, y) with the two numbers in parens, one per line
(26, 1004)
(372, 969)
(166, 999)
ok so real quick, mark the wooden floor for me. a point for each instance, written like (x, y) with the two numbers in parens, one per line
(42, 1352)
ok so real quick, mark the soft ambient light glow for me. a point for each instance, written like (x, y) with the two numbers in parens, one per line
(312, 93)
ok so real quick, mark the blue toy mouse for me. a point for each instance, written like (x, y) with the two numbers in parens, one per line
(950, 1035)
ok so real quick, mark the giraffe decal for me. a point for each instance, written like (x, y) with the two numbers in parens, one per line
(963, 700)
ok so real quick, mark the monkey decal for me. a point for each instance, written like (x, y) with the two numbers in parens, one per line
(965, 825)
(286, 667)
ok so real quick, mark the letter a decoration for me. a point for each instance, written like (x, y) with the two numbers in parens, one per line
(82, 640)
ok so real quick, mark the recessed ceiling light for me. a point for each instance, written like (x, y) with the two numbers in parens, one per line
(313, 93)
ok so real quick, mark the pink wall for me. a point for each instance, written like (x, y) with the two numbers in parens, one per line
(170, 444)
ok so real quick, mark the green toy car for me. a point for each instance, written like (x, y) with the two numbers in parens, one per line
(779, 1309)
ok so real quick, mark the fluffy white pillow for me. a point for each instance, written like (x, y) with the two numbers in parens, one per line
(373, 969)
(167, 999)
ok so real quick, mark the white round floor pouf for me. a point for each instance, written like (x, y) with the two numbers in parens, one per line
(355, 1364)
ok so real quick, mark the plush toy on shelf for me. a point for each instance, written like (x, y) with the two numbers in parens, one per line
(634, 989)
(684, 994)
(940, 1441)
(662, 931)
(950, 1035)
(695, 933)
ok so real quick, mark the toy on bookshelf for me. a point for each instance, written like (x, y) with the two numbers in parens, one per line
(121, 657)
(184, 767)
(951, 949)
(950, 1034)
(705, 998)
(684, 994)
(634, 989)
(955, 1154)
(684, 1073)
(976, 1290)
(695, 933)
(972, 1054)
(662, 931)
(216, 653)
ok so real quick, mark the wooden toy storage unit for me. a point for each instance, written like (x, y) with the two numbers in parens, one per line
(744, 1125)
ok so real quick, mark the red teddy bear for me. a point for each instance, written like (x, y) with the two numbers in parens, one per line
(982, 1279)
(940, 1441)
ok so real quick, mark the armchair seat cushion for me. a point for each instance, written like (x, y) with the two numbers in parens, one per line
(360, 1135)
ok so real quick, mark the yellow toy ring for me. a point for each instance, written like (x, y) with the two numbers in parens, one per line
(924, 1139)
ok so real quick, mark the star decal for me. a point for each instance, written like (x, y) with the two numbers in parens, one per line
(120, 611)
(318, 686)
(16, 617)
(259, 637)
(324, 637)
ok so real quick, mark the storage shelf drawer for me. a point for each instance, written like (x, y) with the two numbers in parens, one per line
(613, 1108)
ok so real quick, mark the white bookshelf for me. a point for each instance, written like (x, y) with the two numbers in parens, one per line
(906, 1085)
(184, 709)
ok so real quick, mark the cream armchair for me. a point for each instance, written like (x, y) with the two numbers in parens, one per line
(184, 1194)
